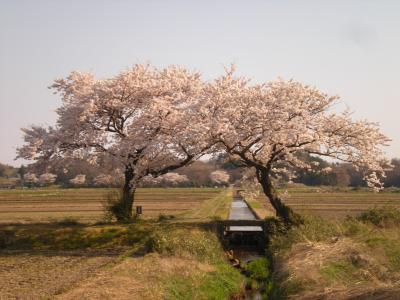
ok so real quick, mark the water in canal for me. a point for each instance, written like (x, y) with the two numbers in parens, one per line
(244, 241)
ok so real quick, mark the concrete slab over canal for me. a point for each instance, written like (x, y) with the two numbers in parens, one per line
(241, 211)
(242, 228)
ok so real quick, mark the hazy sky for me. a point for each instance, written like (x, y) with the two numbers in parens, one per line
(349, 48)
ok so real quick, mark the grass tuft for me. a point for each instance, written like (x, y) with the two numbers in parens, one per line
(381, 217)
(221, 283)
(201, 244)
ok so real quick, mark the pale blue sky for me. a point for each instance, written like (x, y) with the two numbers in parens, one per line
(350, 48)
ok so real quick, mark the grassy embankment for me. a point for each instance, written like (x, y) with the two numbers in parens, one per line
(338, 258)
(172, 258)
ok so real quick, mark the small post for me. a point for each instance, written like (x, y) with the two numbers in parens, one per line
(139, 210)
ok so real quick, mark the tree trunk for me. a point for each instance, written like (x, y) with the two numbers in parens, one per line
(122, 209)
(282, 210)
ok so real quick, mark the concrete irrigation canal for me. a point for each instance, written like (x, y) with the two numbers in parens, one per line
(243, 228)
(244, 239)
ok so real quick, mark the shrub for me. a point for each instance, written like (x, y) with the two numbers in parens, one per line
(201, 244)
(381, 217)
(258, 269)
(68, 221)
(114, 208)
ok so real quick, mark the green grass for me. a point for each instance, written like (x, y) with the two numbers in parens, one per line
(255, 204)
(344, 272)
(221, 283)
(381, 217)
(215, 208)
(259, 269)
(185, 242)
(204, 247)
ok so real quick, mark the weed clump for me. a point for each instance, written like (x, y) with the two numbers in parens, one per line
(258, 269)
(221, 283)
(259, 276)
(163, 218)
(381, 217)
(68, 222)
(203, 245)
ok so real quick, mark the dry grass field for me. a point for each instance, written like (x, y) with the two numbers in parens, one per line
(87, 204)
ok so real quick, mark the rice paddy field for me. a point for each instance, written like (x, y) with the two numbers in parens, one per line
(333, 202)
(87, 204)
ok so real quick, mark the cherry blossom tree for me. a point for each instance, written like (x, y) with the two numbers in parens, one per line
(30, 178)
(152, 181)
(220, 177)
(145, 118)
(103, 180)
(174, 178)
(78, 180)
(47, 178)
(267, 126)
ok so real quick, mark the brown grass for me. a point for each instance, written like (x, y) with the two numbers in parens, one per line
(136, 278)
(33, 275)
(338, 259)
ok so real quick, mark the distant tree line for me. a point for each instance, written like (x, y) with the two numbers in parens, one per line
(219, 171)
(79, 173)
(343, 174)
